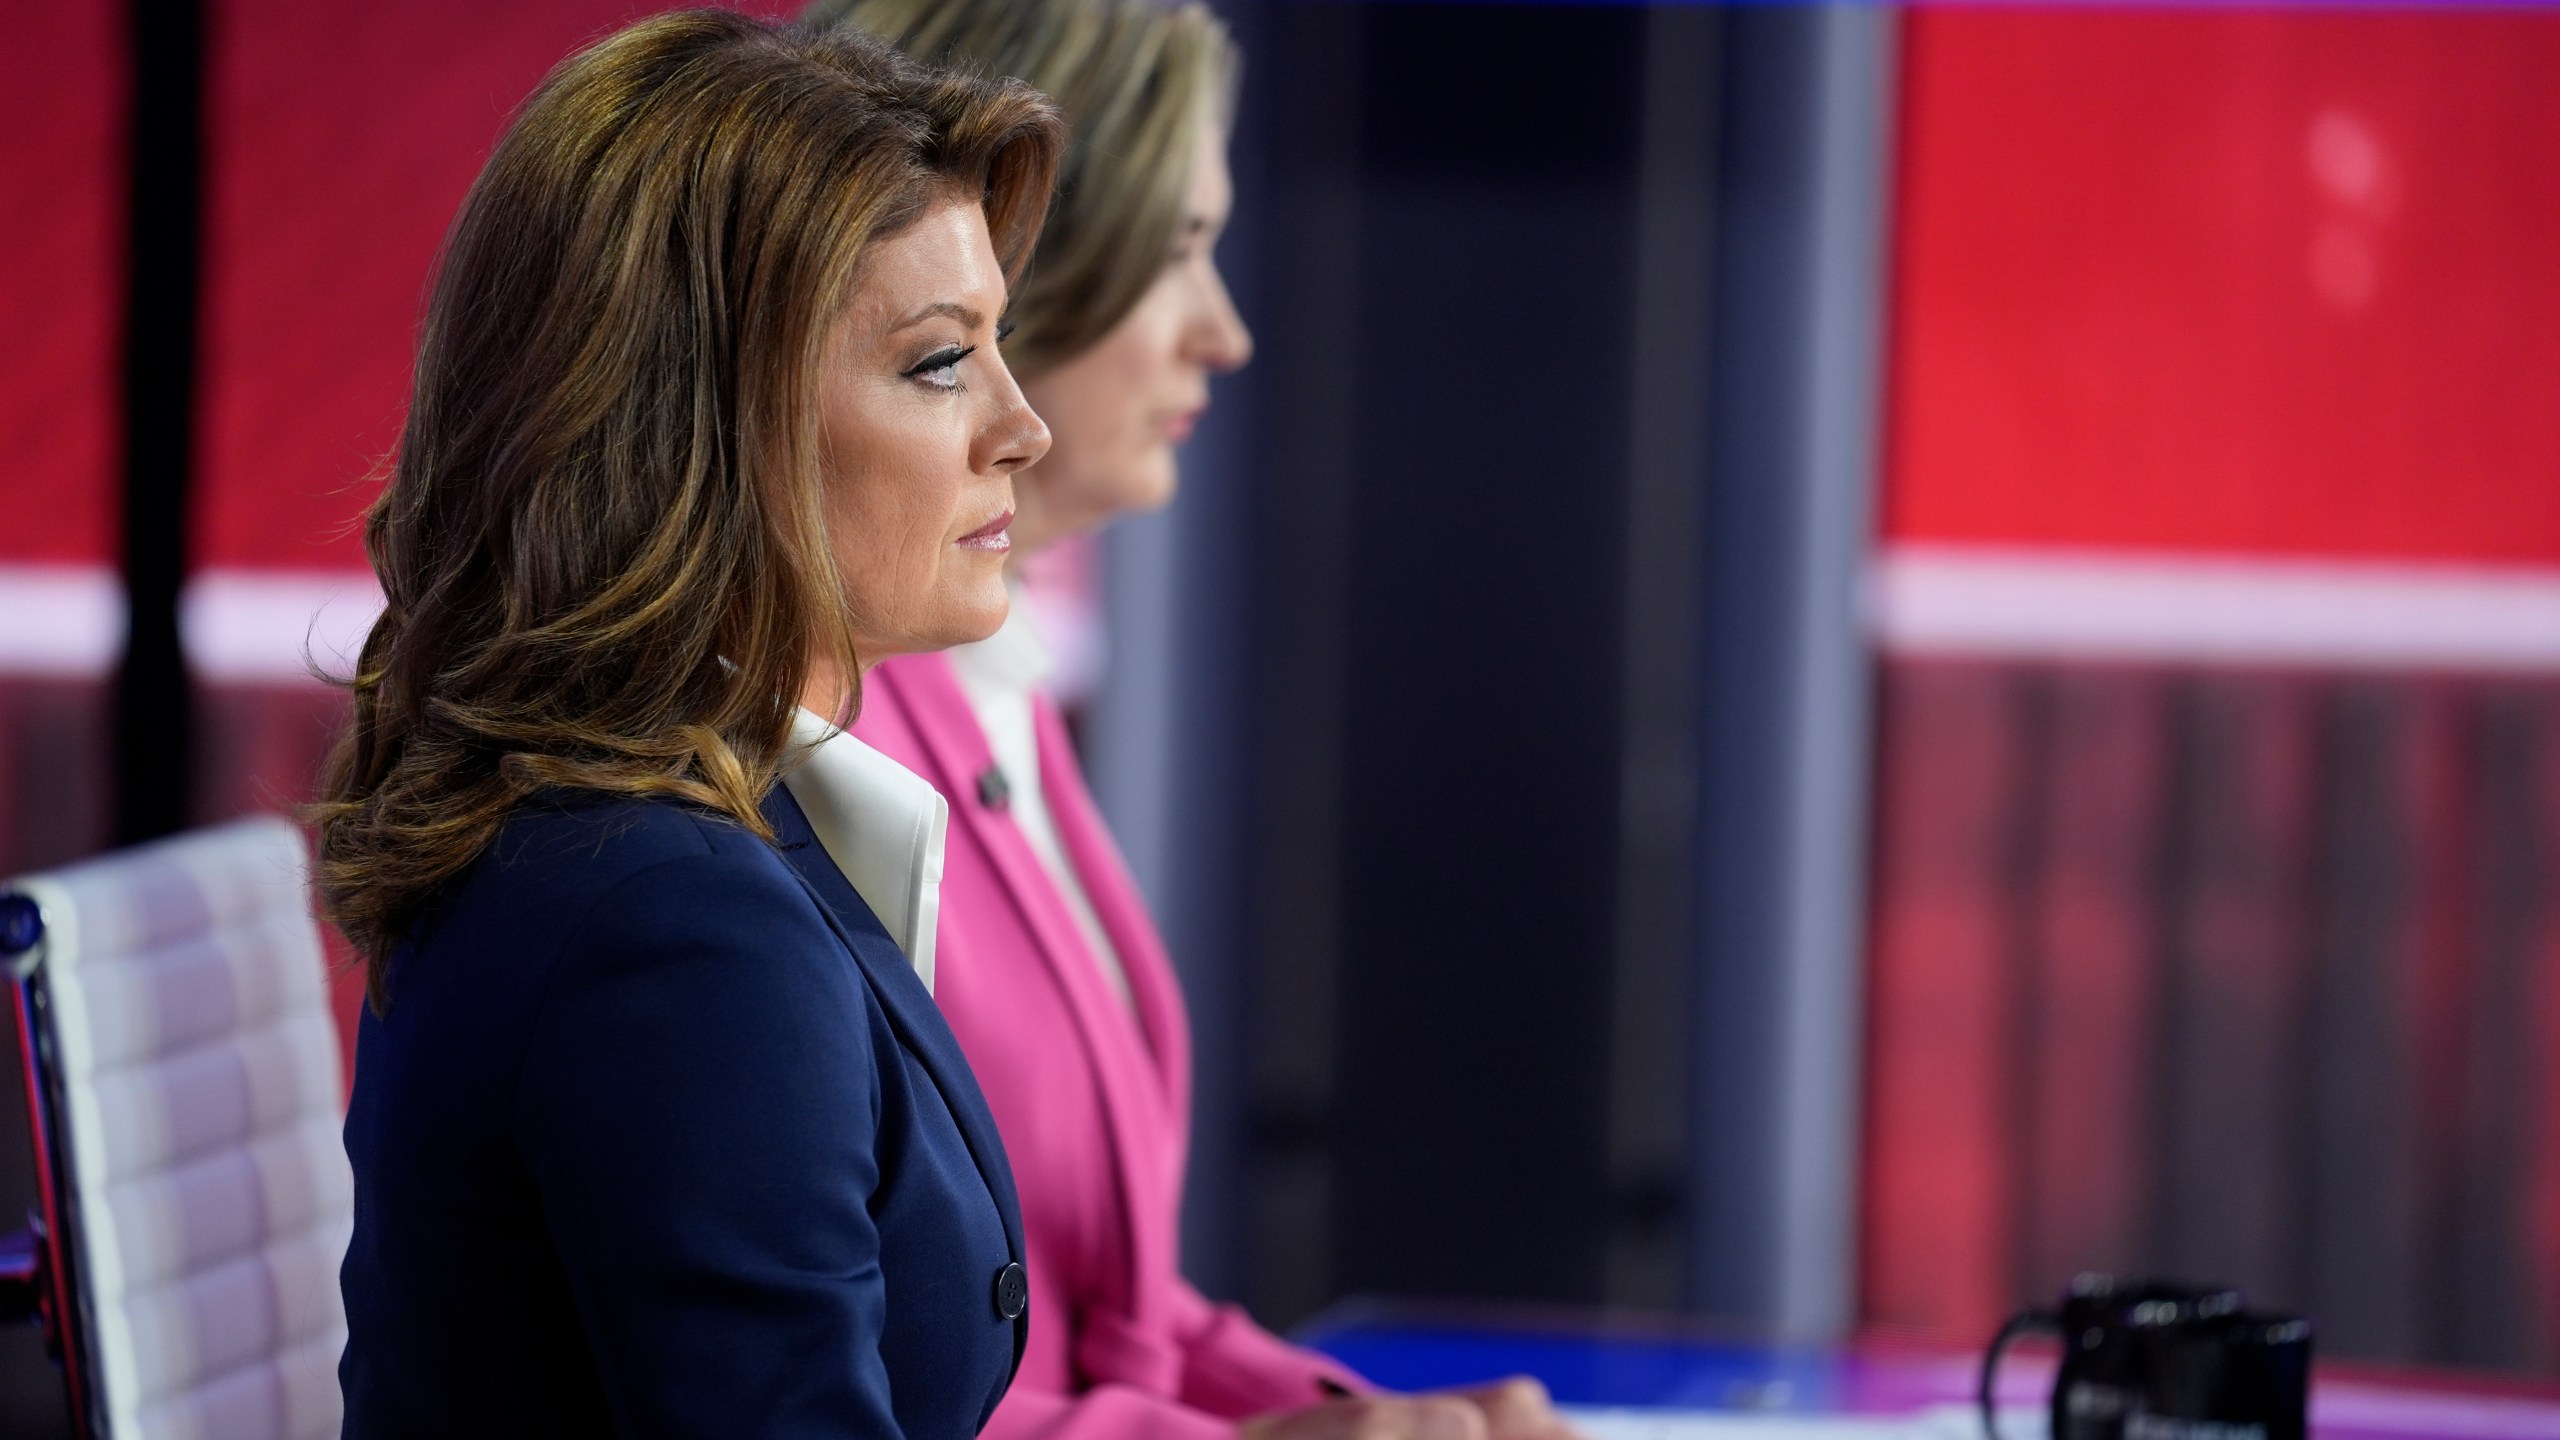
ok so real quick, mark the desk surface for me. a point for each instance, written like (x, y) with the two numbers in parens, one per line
(1735, 1389)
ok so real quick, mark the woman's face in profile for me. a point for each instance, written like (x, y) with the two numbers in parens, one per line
(1120, 408)
(923, 429)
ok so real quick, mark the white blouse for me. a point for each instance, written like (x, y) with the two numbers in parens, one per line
(1000, 674)
(882, 824)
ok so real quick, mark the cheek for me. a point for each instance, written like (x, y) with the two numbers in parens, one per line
(1149, 370)
(1104, 412)
(890, 516)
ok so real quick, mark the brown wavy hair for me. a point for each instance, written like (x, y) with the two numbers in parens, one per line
(1135, 79)
(603, 546)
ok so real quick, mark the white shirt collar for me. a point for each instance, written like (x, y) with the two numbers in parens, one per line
(882, 824)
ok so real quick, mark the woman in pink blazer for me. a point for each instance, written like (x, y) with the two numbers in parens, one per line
(1047, 964)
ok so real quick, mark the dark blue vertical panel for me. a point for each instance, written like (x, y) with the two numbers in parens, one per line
(1480, 762)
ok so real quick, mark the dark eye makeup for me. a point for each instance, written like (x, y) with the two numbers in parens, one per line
(944, 361)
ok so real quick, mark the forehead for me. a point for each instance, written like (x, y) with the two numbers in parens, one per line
(945, 256)
(1211, 188)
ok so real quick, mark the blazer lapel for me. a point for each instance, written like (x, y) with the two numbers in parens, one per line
(948, 728)
(908, 1004)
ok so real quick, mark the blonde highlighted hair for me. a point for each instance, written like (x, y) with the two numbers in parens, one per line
(1137, 81)
(603, 546)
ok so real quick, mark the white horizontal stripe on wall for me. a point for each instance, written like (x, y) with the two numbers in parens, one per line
(240, 626)
(256, 625)
(60, 620)
(2129, 605)
(268, 625)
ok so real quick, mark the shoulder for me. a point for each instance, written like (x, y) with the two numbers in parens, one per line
(595, 829)
(591, 924)
(568, 869)
(657, 908)
(568, 843)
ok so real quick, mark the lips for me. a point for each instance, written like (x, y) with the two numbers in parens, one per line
(991, 536)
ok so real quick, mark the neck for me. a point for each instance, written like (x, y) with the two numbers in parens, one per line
(826, 691)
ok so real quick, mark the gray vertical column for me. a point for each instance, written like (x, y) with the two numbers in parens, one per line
(1798, 301)
(1128, 734)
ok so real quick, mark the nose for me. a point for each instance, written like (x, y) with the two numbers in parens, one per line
(1014, 440)
(1218, 339)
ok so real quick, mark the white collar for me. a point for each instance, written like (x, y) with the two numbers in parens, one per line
(883, 826)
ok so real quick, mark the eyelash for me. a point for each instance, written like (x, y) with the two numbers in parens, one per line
(950, 359)
(1188, 245)
(942, 360)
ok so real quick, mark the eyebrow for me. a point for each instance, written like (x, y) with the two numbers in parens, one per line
(950, 308)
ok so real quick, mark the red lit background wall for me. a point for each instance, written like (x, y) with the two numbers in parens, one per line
(338, 140)
(2214, 928)
(62, 107)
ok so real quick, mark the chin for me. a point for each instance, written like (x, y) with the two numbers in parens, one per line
(1152, 482)
(980, 616)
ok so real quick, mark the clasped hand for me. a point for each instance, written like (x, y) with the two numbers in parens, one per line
(1514, 1409)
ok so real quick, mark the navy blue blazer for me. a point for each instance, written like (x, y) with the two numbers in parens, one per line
(662, 1136)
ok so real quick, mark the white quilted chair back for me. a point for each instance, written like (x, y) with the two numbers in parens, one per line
(177, 1012)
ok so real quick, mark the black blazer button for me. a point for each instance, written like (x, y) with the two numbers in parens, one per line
(1013, 1291)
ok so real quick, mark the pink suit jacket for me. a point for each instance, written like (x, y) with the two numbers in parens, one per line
(1093, 1101)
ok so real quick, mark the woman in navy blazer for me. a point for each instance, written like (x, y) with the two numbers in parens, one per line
(656, 1129)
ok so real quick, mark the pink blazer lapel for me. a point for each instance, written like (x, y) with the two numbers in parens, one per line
(929, 694)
